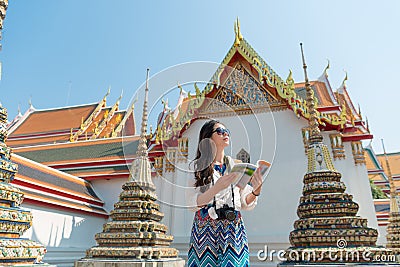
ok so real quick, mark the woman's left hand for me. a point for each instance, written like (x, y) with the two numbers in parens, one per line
(256, 181)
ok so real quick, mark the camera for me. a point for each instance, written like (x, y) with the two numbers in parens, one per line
(226, 212)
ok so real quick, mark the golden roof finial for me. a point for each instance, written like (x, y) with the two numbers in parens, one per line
(104, 100)
(359, 111)
(238, 35)
(238, 29)
(180, 88)
(165, 103)
(345, 79)
(327, 68)
(313, 120)
(366, 121)
(394, 207)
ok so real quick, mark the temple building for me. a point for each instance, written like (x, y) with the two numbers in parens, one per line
(268, 119)
(72, 163)
(378, 174)
(74, 160)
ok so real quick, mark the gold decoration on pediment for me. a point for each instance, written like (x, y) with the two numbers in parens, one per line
(170, 159)
(172, 127)
(86, 124)
(183, 145)
(241, 92)
(285, 89)
(159, 165)
(358, 153)
(337, 146)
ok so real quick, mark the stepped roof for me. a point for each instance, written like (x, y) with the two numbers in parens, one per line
(70, 124)
(45, 186)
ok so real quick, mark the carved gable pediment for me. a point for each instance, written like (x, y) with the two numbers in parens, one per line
(241, 92)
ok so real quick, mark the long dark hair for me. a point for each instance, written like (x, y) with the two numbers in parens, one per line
(203, 163)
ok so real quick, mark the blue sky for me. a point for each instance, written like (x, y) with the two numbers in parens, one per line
(63, 52)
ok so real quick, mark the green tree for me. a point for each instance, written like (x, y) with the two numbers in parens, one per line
(377, 193)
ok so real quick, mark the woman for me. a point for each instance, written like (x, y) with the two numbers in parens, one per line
(218, 236)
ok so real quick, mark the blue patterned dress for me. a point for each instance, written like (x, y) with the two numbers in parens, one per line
(217, 242)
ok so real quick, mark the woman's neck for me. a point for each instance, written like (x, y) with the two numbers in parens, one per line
(219, 156)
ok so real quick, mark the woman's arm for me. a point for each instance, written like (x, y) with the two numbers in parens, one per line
(222, 183)
(256, 182)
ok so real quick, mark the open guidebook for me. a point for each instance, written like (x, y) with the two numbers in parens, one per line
(246, 171)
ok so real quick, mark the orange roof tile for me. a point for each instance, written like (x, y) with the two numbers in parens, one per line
(376, 177)
(350, 109)
(96, 121)
(320, 90)
(112, 123)
(54, 120)
(394, 163)
(368, 161)
(14, 143)
(129, 127)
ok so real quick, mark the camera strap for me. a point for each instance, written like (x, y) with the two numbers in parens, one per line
(233, 195)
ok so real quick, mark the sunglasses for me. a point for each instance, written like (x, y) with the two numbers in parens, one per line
(222, 131)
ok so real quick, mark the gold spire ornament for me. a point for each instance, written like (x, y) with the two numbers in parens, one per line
(238, 34)
(327, 68)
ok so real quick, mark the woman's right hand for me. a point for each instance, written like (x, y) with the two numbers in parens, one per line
(224, 181)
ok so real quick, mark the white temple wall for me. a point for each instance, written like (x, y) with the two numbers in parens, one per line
(108, 191)
(66, 235)
(272, 220)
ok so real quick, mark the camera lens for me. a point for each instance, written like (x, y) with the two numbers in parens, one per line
(230, 215)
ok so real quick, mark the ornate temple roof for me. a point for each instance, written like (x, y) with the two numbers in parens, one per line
(321, 91)
(377, 169)
(46, 186)
(378, 173)
(47, 126)
(394, 161)
(70, 124)
(335, 111)
(52, 120)
(91, 159)
(92, 141)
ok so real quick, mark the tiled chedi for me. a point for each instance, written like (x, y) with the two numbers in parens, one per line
(14, 221)
(328, 229)
(135, 230)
